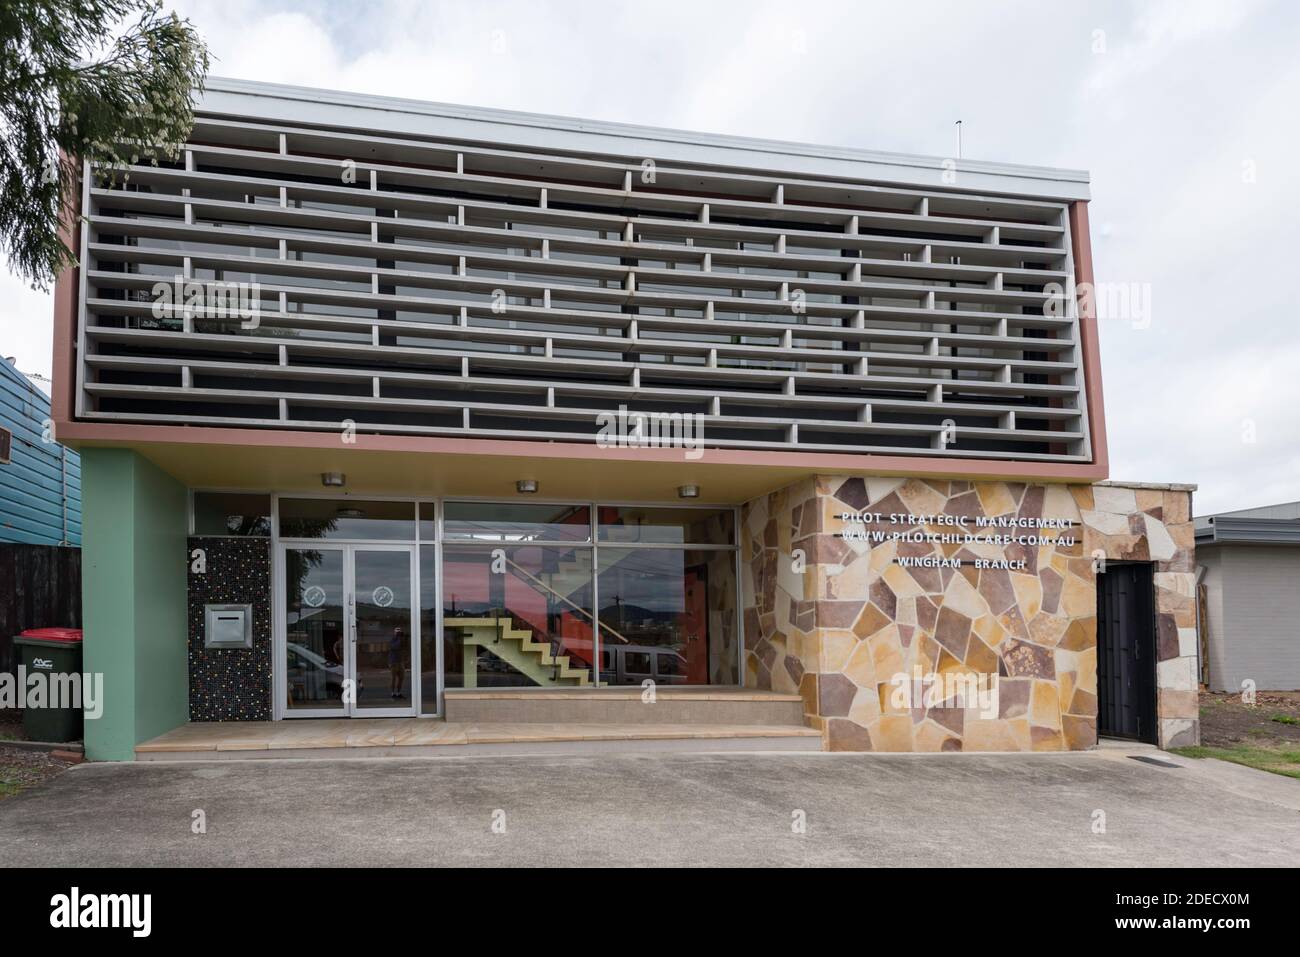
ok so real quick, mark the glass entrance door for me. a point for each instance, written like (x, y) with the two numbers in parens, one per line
(316, 635)
(382, 624)
(350, 630)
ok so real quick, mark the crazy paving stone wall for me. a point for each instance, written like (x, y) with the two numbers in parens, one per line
(835, 619)
(231, 684)
(1154, 523)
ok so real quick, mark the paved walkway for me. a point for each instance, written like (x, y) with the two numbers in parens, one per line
(661, 809)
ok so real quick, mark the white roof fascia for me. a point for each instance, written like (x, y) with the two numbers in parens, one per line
(304, 106)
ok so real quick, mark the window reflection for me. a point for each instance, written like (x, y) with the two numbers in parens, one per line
(345, 518)
(513, 522)
(667, 615)
(517, 617)
(314, 629)
(667, 526)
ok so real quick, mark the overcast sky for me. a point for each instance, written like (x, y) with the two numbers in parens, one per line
(1185, 113)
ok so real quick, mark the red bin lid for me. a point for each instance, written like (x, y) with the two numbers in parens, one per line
(53, 634)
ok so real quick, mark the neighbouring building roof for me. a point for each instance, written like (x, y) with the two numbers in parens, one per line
(1264, 525)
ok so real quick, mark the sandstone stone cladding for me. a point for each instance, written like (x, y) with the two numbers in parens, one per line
(837, 617)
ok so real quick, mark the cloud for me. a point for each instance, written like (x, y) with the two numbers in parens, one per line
(1182, 99)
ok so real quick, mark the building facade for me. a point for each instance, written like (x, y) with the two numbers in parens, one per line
(1249, 569)
(445, 406)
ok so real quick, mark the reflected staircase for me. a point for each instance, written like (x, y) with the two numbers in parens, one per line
(518, 648)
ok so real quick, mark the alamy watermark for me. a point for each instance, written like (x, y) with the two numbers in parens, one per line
(43, 687)
(213, 299)
(75, 909)
(975, 690)
(1126, 301)
(651, 430)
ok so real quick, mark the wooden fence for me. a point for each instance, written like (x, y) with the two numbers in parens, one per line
(40, 587)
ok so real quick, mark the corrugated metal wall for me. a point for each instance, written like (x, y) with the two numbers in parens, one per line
(40, 486)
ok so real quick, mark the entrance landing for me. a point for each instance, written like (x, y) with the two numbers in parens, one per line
(433, 737)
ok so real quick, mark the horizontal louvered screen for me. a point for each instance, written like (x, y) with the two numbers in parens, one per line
(472, 290)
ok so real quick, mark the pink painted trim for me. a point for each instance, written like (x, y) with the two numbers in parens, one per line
(1090, 343)
(62, 367)
(110, 433)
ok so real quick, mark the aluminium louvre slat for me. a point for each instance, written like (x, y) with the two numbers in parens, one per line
(353, 194)
(936, 271)
(333, 296)
(720, 231)
(622, 345)
(622, 320)
(718, 384)
(541, 387)
(846, 335)
(676, 346)
(304, 241)
(662, 194)
(568, 268)
(529, 289)
(580, 437)
(733, 423)
(615, 168)
(326, 219)
(608, 294)
(920, 314)
(506, 360)
(249, 396)
(584, 390)
(476, 236)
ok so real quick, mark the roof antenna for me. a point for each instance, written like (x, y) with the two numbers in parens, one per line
(959, 139)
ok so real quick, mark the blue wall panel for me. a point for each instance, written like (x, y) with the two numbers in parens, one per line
(40, 486)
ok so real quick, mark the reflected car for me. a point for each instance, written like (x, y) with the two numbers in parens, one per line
(633, 664)
(310, 674)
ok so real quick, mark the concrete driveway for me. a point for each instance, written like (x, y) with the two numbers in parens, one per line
(661, 809)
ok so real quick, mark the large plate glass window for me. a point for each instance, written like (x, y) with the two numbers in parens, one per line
(668, 596)
(517, 616)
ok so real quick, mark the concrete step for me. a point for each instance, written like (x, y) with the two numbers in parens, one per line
(331, 739)
(620, 706)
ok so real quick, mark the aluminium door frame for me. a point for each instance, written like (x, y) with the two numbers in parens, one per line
(355, 710)
(279, 710)
(280, 611)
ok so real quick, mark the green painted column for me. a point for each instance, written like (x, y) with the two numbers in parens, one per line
(133, 585)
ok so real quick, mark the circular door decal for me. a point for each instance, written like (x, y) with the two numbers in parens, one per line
(383, 596)
(314, 596)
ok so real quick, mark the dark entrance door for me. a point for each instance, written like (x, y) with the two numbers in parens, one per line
(1126, 659)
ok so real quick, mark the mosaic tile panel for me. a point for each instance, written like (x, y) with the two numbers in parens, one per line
(231, 684)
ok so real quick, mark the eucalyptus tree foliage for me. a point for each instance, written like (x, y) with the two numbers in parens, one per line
(110, 81)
